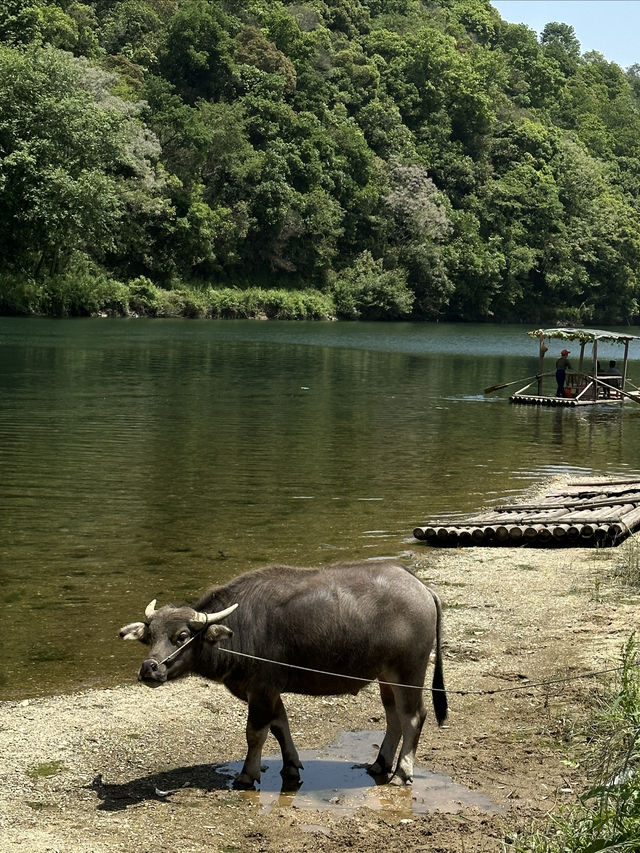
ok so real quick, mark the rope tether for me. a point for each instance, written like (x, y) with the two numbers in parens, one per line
(491, 692)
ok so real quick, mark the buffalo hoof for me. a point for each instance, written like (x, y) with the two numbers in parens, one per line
(399, 782)
(290, 784)
(291, 772)
(244, 782)
(376, 769)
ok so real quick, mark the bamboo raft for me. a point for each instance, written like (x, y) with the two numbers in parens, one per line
(580, 387)
(584, 514)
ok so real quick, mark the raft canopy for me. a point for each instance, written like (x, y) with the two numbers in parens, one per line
(583, 335)
(582, 387)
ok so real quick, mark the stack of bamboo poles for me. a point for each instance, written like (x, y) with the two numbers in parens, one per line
(598, 512)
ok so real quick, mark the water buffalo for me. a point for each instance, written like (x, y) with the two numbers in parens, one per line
(320, 632)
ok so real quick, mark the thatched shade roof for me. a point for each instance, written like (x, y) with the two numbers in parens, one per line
(583, 335)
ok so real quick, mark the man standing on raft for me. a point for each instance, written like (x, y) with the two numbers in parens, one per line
(562, 365)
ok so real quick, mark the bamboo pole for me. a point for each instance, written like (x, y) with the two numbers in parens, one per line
(597, 492)
(608, 481)
(424, 533)
(613, 388)
(526, 379)
(632, 518)
(542, 351)
(568, 504)
(502, 533)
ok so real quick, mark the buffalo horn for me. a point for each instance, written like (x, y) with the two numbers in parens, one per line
(151, 609)
(208, 618)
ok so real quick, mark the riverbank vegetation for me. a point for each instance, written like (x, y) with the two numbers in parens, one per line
(607, 817)
(375, 159)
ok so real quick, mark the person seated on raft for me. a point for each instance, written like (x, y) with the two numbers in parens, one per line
(612, 376)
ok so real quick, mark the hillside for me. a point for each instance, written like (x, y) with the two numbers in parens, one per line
(375, 159)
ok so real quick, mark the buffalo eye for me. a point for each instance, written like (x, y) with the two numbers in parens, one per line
(183, 636)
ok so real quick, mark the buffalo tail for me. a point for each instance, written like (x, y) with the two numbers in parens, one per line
(438, 694)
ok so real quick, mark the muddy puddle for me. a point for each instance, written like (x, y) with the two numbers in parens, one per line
(335, 780)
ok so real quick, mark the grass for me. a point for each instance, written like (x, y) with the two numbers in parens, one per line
(627, 565)
(607, 816)
(84, 291)
(45, 770)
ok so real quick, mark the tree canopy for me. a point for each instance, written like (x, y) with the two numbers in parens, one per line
(400, 158)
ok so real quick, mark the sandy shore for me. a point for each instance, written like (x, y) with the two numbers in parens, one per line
(130, 769)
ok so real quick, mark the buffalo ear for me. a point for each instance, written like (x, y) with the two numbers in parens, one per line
(135, 631)
(215, 633)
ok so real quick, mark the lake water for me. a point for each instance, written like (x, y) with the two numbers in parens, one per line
(146, 459)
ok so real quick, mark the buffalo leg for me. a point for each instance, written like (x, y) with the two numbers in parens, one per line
(412, 715)
(291, 764)
(259, 718)
(384, 761)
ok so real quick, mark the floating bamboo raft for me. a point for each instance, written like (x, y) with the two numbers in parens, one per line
(583, 514)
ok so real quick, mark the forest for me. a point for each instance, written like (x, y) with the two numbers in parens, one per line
(356, 159)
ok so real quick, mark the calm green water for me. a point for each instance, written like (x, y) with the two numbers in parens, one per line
(147, 459)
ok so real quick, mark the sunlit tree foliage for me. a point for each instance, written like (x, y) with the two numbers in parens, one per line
(404, 158)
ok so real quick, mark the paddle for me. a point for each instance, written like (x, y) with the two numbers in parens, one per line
(515, 382)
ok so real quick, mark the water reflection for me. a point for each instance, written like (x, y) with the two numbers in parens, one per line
(580, 432)
(331, 782)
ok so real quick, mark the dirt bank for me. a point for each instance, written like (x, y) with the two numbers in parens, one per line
(90, 771)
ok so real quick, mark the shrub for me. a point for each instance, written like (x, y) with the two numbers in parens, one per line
(192, 303)
(367, 291)
(84, 291)
(275, 304)
(226, 303)
(148, 300)
(20, 295)
(81, 290)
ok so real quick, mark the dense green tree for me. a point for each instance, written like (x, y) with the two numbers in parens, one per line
(19, 22)
(75, 161)
(535, 77)
(404, 157)
(198, 52)
(252, 48)
(417, 224)
(135, 29)
(596, 265)
(477, 267)
(560, 42)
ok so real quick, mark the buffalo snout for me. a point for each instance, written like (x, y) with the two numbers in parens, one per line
(152, 673)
